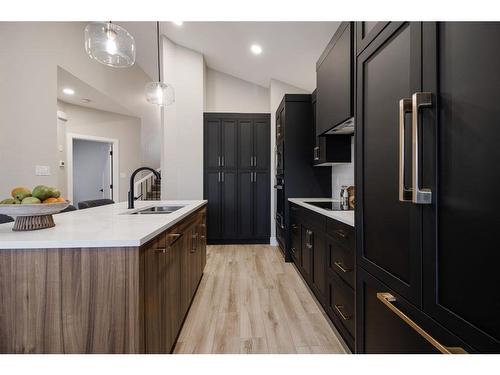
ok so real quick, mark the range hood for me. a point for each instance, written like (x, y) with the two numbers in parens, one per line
(347, 127)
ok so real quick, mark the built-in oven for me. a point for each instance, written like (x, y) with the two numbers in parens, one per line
(279, 156)
(279, 188)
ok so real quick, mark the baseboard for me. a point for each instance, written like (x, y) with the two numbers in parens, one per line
(273, 241)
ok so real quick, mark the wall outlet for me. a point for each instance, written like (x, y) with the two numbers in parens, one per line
(42, 170)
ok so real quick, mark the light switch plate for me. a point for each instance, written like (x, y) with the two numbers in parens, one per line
(42, 170)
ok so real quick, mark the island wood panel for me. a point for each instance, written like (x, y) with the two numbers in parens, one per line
(101, 300)
(70, 301)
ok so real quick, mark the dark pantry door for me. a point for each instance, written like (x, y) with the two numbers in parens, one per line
(237, 177)
(461, 137)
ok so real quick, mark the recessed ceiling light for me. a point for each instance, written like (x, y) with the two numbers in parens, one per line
(256, 49)
(178, 23)
(68, 91)
(85, 100)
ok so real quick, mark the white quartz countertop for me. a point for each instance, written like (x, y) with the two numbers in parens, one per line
(346, 217)
(104, 226)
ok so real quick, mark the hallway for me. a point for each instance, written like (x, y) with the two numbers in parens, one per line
(251, 301)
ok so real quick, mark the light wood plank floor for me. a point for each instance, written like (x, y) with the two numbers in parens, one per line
(251, 301)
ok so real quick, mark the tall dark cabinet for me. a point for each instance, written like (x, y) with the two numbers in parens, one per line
(237, 177)
(427, 149)
(296, 177)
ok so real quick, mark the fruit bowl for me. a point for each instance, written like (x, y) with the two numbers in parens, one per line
(33, 216)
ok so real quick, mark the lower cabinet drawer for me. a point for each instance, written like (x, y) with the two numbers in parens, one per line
(340, 232)
(388, 324)
(341, 302)
(340, 260)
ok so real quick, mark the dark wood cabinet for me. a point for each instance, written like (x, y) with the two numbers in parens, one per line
(335, 80)
(238, 187)
(388, 70)
(366, 31)
(388, 324)
(339, 306)
(173, 266)
(329, 149)
(460, 167)
(307, 253)
(296, 240)
(313, 236)
(427, 238)
(295, 174)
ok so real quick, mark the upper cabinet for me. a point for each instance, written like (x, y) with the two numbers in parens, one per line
(335, 80)
(366, 31)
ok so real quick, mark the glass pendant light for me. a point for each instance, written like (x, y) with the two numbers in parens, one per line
(110, 44)
(159, 93)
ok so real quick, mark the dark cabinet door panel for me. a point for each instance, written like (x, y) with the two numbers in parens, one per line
(213, 196)
(237, 183)
(388, 243)
(296, 239)
(461, 258)
(382, 329)
(212, 135)
(319, 266)
(229, 182)
(366, 31)
(245, 144)
(246, 204)
(340, 260)
(262, 206)
(262, 144)
(334, 76)
(229, 144)
(341, 302)
(307, 253)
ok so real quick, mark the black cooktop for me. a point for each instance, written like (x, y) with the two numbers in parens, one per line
(330, 206)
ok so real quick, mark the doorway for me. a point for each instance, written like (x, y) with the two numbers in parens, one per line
(92, 168)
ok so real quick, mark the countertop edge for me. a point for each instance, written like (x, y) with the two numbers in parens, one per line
(341, 216)
(93, 244)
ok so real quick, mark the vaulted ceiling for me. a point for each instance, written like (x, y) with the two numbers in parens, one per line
(290, 49)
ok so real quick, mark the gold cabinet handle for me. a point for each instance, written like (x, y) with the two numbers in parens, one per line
(341, 233)
(388, 299)
(342, 267)
(194, 243)
(339, 309)
(161, 251)
(174, 237)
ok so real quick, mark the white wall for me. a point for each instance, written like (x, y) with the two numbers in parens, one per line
(182, 154)
(343, 174)
(92, 122)
(30, 54)
(277, 90)
(225, 93)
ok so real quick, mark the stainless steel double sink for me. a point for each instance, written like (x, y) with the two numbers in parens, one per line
(157, 210)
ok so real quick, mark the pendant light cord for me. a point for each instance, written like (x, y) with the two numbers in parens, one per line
(158, 42)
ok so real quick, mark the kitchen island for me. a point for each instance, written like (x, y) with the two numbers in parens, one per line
(103, 280)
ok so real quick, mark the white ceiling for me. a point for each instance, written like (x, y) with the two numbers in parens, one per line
(82, 90)
(290, 49)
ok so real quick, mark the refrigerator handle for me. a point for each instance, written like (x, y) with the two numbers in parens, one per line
(419, 195)
(405, 107)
